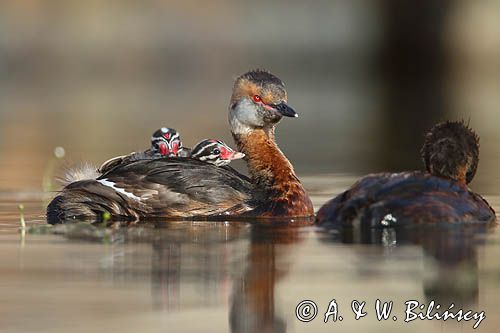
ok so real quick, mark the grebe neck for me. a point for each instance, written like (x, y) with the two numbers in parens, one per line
(266, 163)
(272, 174)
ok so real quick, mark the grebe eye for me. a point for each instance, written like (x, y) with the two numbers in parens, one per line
(257, 99)
(216, 151)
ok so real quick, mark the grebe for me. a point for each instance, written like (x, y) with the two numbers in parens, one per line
(215, 152)
(164, 142)
(177, 187)
(450, 154)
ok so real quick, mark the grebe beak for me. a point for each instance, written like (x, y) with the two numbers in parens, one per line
(285, 110)
(236, 156)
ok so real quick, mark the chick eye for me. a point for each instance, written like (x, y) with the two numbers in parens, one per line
(216, 151)
(257, 99)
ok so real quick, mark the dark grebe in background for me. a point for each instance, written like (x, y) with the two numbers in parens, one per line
(450, 154)
(184, 187)
(164, 142)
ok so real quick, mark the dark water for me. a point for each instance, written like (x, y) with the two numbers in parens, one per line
(239, 277)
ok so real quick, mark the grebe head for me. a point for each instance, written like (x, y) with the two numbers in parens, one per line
(259, 100)
(166, 142)
(451, 150)
(215, 152)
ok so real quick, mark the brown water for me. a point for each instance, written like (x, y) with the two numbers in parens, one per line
(238, 277)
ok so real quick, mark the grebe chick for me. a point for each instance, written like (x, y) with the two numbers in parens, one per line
(187, 188)
(215, 152)
(450, 154)
(165, 142)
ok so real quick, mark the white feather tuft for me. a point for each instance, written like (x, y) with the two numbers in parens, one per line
(86, 171)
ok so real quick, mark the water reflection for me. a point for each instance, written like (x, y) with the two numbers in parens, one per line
(202, 254)
(165, 276)
(238, 276)
(450, 256)
(253, 298)
(208, 264)
(240, 265)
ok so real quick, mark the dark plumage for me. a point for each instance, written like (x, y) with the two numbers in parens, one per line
(164, 142)
(112, 163)
(262, 77)
(167, 187)
(395, 199)
(451, 150)
(450, 153)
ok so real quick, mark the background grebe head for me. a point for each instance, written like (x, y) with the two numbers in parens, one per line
(215, 152)
(451, 150)
(258, 101)
(166, 142)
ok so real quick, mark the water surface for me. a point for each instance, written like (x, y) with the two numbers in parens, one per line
(237, 276)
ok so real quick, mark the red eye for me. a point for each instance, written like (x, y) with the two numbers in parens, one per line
(167, 136)
(257, 99)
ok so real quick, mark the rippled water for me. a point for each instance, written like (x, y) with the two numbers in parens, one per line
(238, 277)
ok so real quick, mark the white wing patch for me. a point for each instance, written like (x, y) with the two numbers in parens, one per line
(107, 183)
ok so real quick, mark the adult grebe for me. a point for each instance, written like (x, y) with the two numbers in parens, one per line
(184, 187)
(451, 155)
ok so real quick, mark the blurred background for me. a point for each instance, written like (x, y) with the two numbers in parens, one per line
(367, 77)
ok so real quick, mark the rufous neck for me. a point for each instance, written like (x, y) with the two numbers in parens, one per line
(266, 163)
(277, 188)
